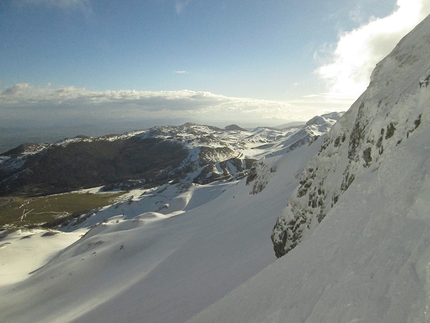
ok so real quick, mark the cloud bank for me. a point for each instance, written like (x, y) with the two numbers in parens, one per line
(77, 105)
(355, 55)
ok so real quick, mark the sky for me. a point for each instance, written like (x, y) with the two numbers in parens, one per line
(169, 61)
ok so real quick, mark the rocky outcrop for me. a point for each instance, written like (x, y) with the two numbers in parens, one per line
(388, 112)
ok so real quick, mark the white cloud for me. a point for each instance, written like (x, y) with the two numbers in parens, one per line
(24, 101)
(357, 52)
(181, 72)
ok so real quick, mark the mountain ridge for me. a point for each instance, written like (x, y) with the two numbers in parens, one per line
(190, 152)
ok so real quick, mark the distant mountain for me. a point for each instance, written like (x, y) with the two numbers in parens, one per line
(234, 127)
(289, 125)
(190, 153)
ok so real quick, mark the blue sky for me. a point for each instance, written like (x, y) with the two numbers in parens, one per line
(203, 60)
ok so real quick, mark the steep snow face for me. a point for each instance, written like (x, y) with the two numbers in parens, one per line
(387, 113)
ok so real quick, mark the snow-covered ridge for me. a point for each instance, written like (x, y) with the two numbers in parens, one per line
(16, 158)
(195, 135)
(387, 113)
(190, 153)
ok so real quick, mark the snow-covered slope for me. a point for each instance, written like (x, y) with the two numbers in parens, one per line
(368, 259)
(387, 113)
(139, 265)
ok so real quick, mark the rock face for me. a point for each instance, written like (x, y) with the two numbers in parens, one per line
(392, 107)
